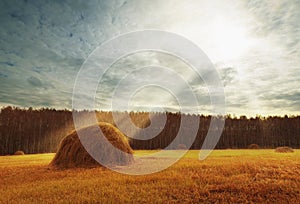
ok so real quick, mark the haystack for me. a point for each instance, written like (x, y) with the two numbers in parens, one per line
(19, 152)
(253, 146)
(182, 147)
(284, 150)
(71, 153)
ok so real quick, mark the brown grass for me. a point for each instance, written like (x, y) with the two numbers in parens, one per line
(226, 176)
(253, 146)
(71, 152)
(19, 152)
(284, 150)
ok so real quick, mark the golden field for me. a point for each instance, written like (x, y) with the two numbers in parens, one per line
(226, 176)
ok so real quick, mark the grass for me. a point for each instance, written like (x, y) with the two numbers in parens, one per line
(226, 176)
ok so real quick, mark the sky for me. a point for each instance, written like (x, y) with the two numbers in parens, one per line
(254, 46)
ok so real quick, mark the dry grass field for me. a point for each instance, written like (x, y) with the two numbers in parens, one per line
(226, 176)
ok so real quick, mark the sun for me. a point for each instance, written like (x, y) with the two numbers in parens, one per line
(222, 40)
(230, 41)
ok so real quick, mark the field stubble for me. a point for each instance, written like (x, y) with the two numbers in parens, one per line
(226, 176)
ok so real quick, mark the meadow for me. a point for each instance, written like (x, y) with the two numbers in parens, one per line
(226, 176)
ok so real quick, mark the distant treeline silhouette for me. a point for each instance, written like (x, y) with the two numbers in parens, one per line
(40, 131)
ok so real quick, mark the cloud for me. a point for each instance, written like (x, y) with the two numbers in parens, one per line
(3, 75)
(277, 22)
(34, 81)
(228, 75)
(44, 43)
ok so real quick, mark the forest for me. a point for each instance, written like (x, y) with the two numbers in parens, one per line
(41, 130)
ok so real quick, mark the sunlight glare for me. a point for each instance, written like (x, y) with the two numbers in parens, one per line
(230, 41)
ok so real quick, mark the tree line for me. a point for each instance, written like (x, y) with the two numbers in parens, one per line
(41, 130)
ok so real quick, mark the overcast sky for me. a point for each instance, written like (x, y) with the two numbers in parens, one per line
(254, 46)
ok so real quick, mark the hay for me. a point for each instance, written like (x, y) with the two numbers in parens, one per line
(182, 147)
(253, 146)
(71, 152)
(284, 150)
(19, 152)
